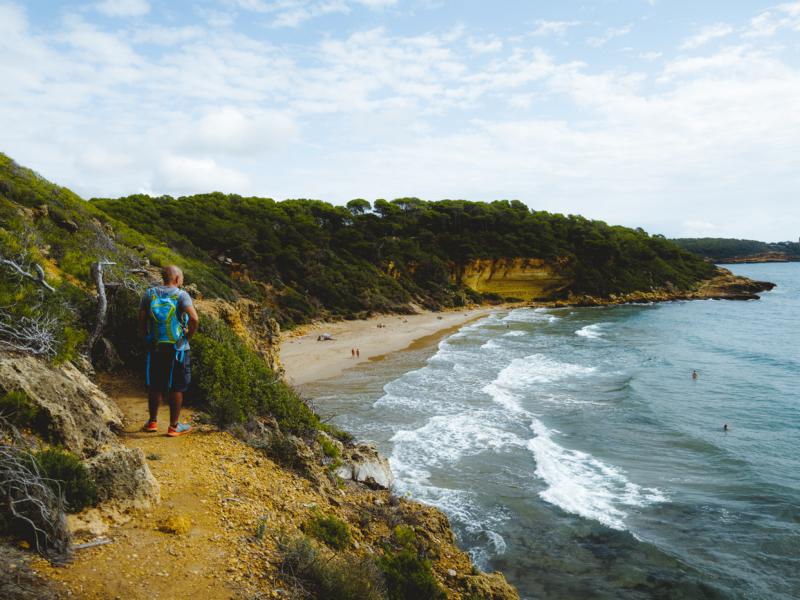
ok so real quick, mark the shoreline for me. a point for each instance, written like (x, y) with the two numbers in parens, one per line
(307, 360)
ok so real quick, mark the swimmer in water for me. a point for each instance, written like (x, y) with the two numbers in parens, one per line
(725, 427)
(694, 375)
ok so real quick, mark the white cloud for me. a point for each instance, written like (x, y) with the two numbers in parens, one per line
(182, 174)
(698, 228)
(304, 11)
(707, 34)
(377, 4)
(123, 8)
(231, 131)
(769, 22)
(293, 13)
(521, 101)
(557, 28)
(165, 36)
(487, 46)
(651, 56)
(609, 34)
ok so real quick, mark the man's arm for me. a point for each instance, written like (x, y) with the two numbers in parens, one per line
(142, 322)
(194, 321)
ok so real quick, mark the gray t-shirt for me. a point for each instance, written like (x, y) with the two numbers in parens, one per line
(184, 302)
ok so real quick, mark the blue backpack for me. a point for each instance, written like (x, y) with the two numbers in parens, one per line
(164, 325)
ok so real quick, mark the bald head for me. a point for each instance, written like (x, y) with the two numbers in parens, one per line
(172, 275)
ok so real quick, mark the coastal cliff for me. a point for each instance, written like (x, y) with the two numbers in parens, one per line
(540, 281)
(519, 278)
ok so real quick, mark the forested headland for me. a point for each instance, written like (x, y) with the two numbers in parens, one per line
(314, 259)
(725, 250)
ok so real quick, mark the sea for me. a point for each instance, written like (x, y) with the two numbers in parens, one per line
(573, 450)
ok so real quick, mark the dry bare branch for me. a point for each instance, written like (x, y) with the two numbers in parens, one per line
(93, 543)
(102, 302)
(27, 497)
(33, 335)
(19, 270)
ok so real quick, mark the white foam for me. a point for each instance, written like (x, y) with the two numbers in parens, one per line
(592, 332)
(445, 439)
(521, 373)
(491, 345)
(581, 484)
(530, 315)
(493, 545)
(515, 333)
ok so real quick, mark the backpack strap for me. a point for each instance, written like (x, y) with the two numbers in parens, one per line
(147, 372)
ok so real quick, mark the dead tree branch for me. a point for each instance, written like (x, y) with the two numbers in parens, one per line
(30, 501)
(17, 268)
(102, 302)
(34, 335)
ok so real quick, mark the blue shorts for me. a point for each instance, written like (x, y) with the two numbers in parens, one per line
(165, 366)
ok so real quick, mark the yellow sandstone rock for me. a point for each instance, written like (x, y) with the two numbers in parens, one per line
(176, 524)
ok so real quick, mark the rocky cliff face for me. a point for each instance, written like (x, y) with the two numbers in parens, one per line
(536, 280)
(523, 278)
(252, 323)
(727, 286)
(81, 418)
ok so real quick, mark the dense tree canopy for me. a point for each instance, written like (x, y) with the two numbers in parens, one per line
(722, 249)
(348, 260)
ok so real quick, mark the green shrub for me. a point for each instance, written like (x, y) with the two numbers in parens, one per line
(329, 449)
(67, 476)
(330, 530)
(333, 431)
(234, 383)
(20, 410)
(261, 528)
(342, 577)
(408, 574)
(404, 536)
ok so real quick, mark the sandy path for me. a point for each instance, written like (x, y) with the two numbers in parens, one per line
(306, 359)
(223, 486)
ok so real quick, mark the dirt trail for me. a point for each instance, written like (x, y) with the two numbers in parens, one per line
(224, 487)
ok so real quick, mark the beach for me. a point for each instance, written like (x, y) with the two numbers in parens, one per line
(307, 359)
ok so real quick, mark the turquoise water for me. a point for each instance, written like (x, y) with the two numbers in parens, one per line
(573, 451)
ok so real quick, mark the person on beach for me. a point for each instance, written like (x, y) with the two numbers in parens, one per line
(358, 353)
(167, 321)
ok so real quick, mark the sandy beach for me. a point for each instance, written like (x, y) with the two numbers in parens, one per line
(307, 359)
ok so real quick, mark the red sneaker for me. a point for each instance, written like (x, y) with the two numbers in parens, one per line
(150, 426)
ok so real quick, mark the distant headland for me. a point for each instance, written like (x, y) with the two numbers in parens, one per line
(731, 251)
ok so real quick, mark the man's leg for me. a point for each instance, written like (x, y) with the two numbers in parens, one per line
(175, 404)
(153, 402)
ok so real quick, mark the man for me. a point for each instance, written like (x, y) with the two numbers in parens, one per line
(167, 321)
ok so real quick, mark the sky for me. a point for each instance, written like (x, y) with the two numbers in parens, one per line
(680, 117)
